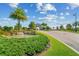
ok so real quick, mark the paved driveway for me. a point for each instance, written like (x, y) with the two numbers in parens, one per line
(71, 39)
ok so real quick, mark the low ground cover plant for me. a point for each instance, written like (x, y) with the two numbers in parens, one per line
(22, 46)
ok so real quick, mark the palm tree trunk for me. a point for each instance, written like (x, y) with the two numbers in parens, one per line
(18, 25)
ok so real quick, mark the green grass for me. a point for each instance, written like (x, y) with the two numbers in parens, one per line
(22, 46)
(57, 48)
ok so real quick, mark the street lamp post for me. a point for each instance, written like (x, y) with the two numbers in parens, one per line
(75, 24)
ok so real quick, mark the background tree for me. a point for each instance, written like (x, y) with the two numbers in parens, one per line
(48, 28)
(61, 27)
(76, 25)
(69, 27)
(57, 28)
(24, 28)
(32, 25)
(0, 28)
(6, 28)
(43, 26)
(18, 15)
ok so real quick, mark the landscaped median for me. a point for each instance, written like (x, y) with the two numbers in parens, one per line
(39, 44)
(57, 48)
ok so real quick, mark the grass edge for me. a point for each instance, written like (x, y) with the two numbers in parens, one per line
(46, 34)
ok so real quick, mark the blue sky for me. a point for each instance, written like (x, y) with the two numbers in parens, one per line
(54, 14)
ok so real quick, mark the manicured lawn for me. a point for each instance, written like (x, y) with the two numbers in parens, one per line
(57, 48)
(22, 46)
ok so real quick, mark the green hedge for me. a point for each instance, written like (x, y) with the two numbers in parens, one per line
(22, 46)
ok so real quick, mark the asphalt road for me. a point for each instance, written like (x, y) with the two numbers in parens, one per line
(71, 39)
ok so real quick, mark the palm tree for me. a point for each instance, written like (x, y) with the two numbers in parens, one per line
(18, 15)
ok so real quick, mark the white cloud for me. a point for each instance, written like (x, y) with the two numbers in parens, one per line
(62, 17)
(39, 6)
(26, 10)
(44, 7)
(74, 5)
(40, 18)
(7, 22)
(49, 18)
(33, 16)
(28, 16)
(67, 13)
(4, 19)
(67, 7)
(14, 5)
(49, 7)
(62, 13)
(41, 12)
(55, 21)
